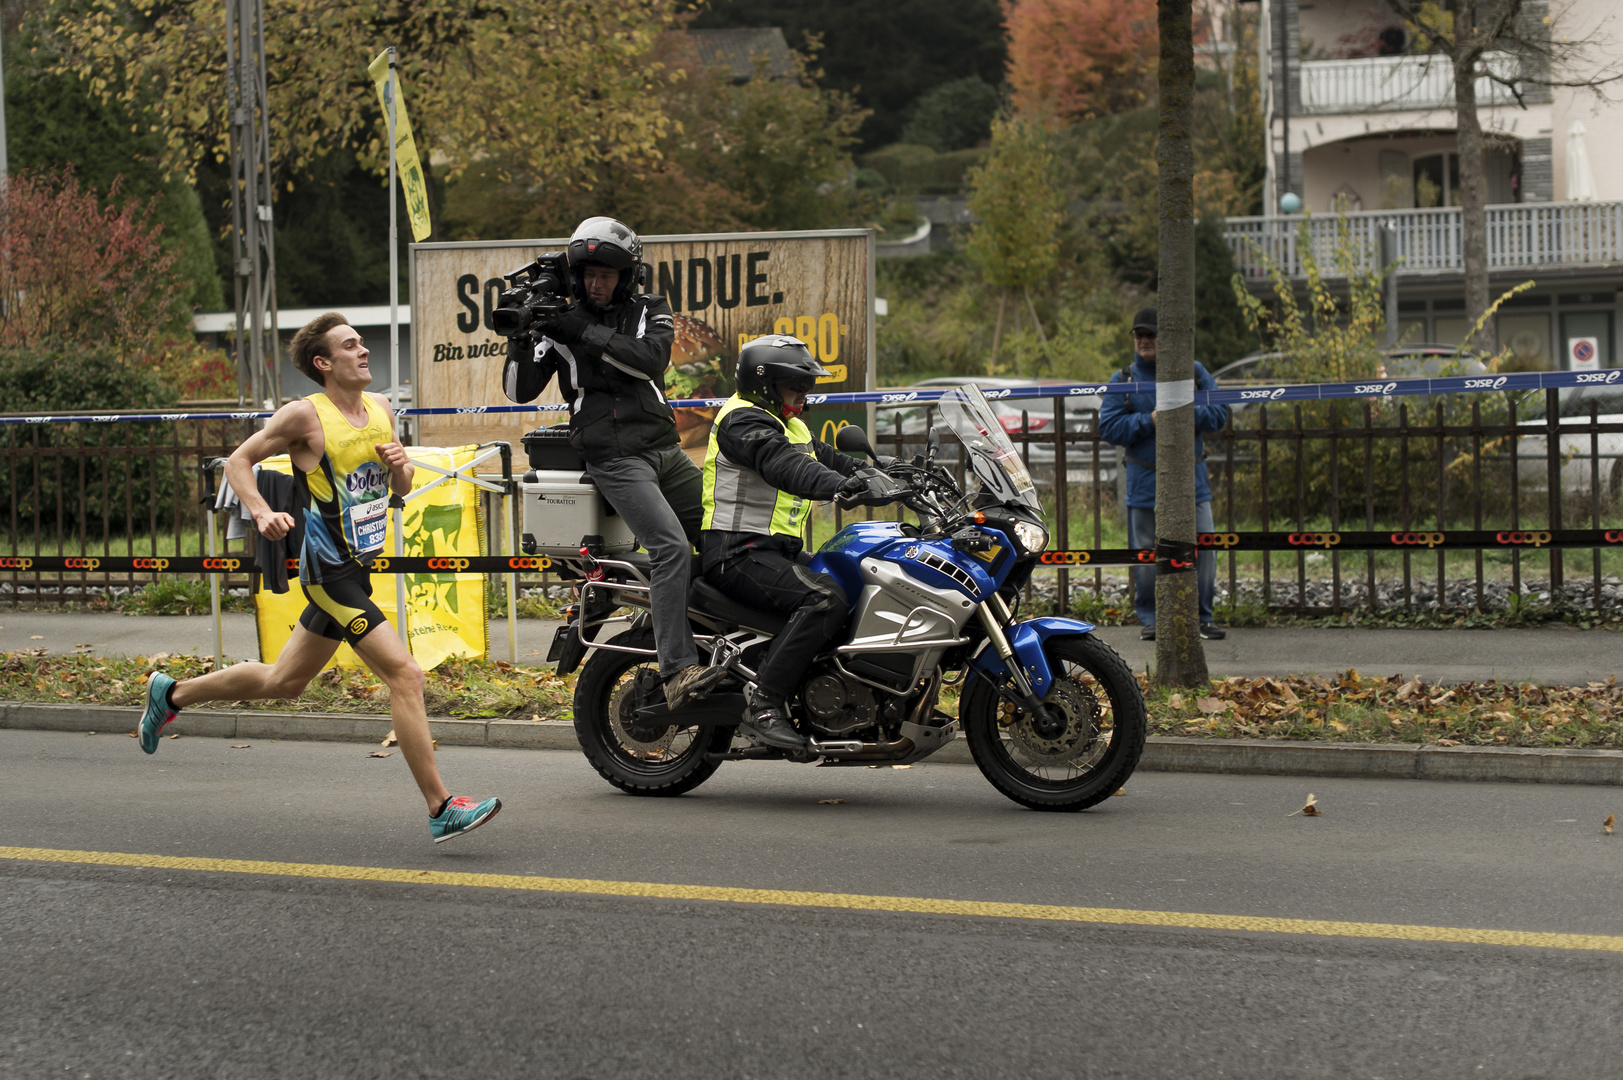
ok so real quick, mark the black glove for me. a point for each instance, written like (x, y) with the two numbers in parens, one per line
(566, 329)
(867, 487)
(520, 349)
(854, 485)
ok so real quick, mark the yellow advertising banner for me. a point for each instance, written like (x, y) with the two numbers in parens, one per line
(405, 147)
(724, 290)
(445, 613)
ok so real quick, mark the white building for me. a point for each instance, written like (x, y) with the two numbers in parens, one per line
(1371, 129)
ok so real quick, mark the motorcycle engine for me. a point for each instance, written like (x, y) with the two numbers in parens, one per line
(836, 705)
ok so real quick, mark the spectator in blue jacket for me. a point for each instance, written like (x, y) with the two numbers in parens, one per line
(1128, 421)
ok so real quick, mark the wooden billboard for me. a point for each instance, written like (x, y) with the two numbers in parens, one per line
(724, 288)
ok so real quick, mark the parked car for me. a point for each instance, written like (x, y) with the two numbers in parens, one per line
(1017, 415)
(1580, 461)
(1404, 362)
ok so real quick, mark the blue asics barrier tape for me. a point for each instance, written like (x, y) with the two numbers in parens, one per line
(1374, 388)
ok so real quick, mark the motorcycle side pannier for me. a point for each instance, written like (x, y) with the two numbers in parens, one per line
(562, 509)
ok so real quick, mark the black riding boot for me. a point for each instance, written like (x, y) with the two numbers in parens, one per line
(767, 718)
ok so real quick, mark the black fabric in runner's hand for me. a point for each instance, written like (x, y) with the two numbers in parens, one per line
(1174, 556)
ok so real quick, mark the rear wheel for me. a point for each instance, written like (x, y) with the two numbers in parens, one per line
(666, 760)
(1077, 763)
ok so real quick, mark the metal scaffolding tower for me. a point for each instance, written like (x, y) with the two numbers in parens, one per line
(254, 241)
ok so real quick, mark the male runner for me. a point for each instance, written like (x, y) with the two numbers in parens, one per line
(345, 463)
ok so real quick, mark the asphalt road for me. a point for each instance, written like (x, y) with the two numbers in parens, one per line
(262, 969)
(1547, 655)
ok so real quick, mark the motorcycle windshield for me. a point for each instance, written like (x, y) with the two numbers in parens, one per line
(991, 455)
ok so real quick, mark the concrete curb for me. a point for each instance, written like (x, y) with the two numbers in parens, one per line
(1241, 757)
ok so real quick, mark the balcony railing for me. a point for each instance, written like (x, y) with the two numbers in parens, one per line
(1523, 236)
(1393, 83)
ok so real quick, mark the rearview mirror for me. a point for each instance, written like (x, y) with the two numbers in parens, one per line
(851, 439)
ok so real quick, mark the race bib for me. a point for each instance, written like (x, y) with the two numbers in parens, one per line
(364, 526)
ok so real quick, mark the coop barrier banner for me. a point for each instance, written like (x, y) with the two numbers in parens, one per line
(445, 600)
(442, 565)
(1377, 389)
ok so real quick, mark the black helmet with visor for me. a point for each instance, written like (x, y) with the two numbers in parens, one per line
(772, 362)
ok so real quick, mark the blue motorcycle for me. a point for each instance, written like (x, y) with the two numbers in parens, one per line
(1054, 717)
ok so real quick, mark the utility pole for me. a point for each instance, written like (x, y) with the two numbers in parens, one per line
(259, 370)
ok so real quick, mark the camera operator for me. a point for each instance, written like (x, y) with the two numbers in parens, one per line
(609, 350)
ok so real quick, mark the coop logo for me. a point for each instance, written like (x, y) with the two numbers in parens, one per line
(368, 478)
(9, 562)
(146, 564)
(1486, 384)
(1533, 539)
(521, 563)
(357, 625)
(1419, 539)
(1145, 556)
(1374, 388)
(1065, 558)
(378, 566)
(1600, 376)
(222, 564)
(892, 399)
(447, 564)
(1217, 540)
(1614, 537)
(77, 563)
(1324, 540)
(1263, 395)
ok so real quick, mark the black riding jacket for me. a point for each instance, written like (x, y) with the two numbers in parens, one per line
(613, 379)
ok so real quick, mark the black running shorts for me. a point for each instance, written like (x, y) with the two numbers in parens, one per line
(342, 609)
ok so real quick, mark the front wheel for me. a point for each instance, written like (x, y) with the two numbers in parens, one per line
(666, 760)
(1078, 765)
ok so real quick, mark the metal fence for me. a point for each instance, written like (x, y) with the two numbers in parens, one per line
(1474, 462)
(1463, 462)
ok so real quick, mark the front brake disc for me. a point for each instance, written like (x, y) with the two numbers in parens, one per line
(1080, 708)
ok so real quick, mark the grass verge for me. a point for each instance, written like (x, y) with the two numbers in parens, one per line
(1352, 708)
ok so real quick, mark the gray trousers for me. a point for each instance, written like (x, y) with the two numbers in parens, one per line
(660, 493)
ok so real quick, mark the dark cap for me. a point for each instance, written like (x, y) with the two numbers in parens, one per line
(1144, 320)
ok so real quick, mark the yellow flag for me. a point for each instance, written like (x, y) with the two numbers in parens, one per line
(405, 150)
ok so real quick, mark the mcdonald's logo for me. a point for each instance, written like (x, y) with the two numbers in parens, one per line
(1217, 540)
(1326, 540)
(1535, 539)
(91, 564)
(222, 564)
(11, 562)
(522, 563)
(1065, 558)
(1420, 539)
(447, 564)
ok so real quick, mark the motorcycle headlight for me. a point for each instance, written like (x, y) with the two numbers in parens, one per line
(1033, 538)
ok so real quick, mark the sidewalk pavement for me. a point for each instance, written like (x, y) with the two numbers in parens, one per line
(1546, 655)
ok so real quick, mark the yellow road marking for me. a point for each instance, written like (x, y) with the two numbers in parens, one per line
(845, 901)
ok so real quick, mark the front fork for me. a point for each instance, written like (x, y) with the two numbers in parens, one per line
(994, 614)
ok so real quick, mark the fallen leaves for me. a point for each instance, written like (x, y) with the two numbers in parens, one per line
(1606, 826)
(380, 753)
(1310, 809)
(241, 746)
(830, 802)
(389, 739)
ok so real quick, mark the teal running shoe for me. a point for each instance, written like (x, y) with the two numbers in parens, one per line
(158, 713)
(461, 815)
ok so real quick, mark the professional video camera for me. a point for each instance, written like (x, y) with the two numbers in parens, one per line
(536, 291)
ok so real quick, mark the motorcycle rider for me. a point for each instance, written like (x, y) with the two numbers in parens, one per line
(762, 471)
(609, 351)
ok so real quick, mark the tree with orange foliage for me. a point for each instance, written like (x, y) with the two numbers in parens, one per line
(1075, 59)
